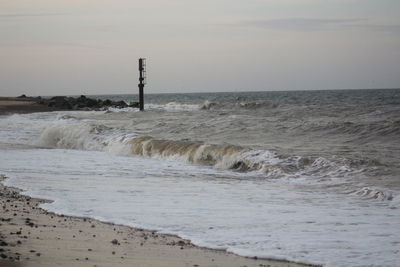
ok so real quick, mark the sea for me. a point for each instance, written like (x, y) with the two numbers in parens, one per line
(304, 176)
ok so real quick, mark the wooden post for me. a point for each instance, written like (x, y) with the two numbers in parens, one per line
(142, 78)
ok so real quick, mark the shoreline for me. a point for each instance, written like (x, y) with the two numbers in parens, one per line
(21, 105)
(25, 104)
(32, 236)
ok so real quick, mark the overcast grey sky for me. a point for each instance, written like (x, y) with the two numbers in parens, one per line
(53, 47)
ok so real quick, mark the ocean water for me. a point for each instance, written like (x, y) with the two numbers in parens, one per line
(307, 176)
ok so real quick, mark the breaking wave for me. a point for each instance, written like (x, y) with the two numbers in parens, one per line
(172, 106)
(267, 164)
(373, 193)
(221, 156)
(210, 105)
(73, 136)
(86, 136)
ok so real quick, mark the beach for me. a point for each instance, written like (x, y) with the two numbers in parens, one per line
(200, 133)
(32, 236)
(207, 179)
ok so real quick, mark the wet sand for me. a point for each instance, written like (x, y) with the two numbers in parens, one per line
(31, 236)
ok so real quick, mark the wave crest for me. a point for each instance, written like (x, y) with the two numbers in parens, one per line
(209, 105)
(74, 136)
(372, 193)
(268, 164)
(199, 153)
(222, 156)
(173, 106)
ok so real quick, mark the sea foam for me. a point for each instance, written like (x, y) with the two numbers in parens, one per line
(213, 208)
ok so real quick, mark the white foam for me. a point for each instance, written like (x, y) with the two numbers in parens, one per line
(296, 216)
(23, 129)
(375, 193)
(86, 135)
(128, 109)
(172, 106)
(219, 209)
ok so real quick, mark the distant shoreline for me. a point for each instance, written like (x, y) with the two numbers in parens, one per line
(24, 104)
(12, 105)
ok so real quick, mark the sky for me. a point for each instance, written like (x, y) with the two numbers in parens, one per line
(72, 47)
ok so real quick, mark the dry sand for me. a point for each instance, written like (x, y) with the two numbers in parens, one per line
(10, 105)
(31, 236)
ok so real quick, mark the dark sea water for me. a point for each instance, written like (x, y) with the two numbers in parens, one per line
(359, 129)
(310, 176)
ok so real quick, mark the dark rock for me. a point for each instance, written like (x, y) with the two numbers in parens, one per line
(91, 102)
(133, 105)
(115, 242)
(120, 104)
(60, 102)
(107, 102)
(83, 103)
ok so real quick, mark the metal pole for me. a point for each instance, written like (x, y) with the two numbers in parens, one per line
(141, 84)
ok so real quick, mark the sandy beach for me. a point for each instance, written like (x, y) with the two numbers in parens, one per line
(317, 204)
(31, 236)
(10, 105)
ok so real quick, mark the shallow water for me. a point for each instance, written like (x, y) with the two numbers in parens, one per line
(304, 176)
